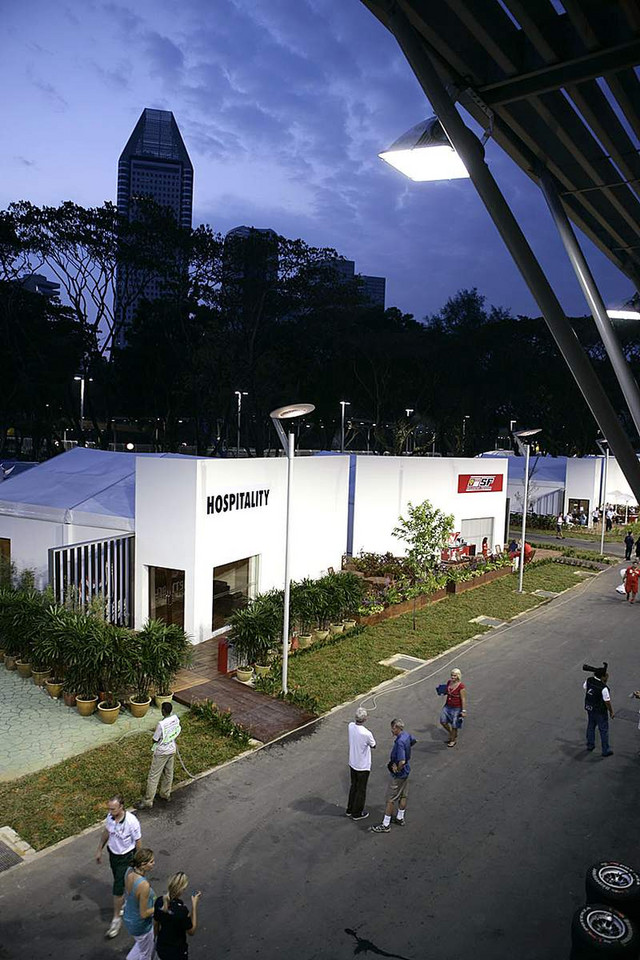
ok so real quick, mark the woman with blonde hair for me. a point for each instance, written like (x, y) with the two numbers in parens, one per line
(172, 921)
(138, 905)
(454, 709)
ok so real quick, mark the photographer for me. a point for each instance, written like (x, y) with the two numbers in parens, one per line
(597, 703)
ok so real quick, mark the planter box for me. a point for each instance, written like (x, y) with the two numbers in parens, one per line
(398, 609)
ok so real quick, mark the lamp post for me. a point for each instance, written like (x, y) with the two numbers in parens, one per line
(343, 404)
(519, 437)
(604, 447)
(464, 432)
(408, 411)
(290, 412)
(239, 394)
(80, 377)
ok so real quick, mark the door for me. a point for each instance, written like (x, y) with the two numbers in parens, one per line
(474, 531)
(166, 595)
(5, 560)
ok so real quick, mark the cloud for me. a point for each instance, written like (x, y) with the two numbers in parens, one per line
(24, 161)
(56, 99)
(166, 60)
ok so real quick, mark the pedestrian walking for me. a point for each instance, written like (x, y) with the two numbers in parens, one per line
(559, 526)
(160, 777)
(139, 905)
(122, 835)
(628, 545)
(597, 703)
(595, 517)
(631, 575)
(609, 520)
(361, 743)
(455, 708)
(399, 767)
(172, 921)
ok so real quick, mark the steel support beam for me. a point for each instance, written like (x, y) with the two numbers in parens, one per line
(468, 147)
(598, 310)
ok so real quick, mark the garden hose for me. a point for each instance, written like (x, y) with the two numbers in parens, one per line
(190, 775)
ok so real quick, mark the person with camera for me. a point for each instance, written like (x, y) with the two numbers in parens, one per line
(172, 920)
(597, 703)
(399, 768)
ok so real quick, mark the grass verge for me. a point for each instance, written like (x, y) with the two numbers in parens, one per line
(57, 802)
(341, 671)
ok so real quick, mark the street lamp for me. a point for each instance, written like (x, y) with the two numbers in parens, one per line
(464, 431)
(290, 412)
(512, 424)
(604, 447)
(81, 378)
(343, 404)
(408, 411)
(239, 394)
(522, 437)
(425, 153)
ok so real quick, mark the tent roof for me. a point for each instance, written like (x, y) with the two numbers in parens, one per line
(561, 79)
(78, 482)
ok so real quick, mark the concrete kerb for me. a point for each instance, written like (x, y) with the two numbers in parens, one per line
(471, 643)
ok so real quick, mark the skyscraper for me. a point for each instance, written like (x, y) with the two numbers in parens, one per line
(373, 288)
(250, 267)
(153, 164)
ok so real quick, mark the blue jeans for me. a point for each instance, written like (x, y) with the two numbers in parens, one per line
(601, 720)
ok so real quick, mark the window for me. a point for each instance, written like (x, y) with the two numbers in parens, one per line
(234, 584)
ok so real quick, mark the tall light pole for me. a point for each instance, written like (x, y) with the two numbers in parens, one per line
(464, 432)
(512, 424)
(290, 412)
(239, 394)
(80, 377)
(408, 411)
(343, 404)
(522, 438)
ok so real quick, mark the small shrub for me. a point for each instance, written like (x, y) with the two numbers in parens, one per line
(220, 721)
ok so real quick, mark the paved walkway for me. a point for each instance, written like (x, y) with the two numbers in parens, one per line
(39, 732)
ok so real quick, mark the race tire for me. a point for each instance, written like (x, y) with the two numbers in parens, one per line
(598, 930)
(617, 884)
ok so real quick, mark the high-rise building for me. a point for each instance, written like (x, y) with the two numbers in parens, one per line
(250, 265)
(372, 287)
(154, 164)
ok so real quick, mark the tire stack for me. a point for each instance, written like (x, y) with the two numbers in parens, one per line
(609, 923)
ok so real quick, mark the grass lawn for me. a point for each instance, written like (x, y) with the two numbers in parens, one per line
(55, 803)
(341, 671)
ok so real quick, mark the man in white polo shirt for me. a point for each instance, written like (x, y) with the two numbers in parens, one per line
(122, 835)
(361, 742)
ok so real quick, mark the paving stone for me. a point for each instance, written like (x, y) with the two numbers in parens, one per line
(547, 594)
(488, 621)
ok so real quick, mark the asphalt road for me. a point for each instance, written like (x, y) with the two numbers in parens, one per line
(499, 831)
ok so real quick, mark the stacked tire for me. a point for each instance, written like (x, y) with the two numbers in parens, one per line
(609, 923)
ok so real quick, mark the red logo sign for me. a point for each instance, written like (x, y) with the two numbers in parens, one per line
(479, 483)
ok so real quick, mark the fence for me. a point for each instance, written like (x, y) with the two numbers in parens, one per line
(96, 568)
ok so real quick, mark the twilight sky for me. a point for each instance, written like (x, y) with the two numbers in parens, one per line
(283, 106)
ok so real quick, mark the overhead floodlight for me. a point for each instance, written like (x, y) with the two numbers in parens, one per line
(291, 411)
(623, 314)
(528, 433)
(425, 153)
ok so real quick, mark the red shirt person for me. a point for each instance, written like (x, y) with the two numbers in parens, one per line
(631, 576)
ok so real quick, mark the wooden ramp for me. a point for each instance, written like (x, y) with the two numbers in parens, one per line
(264, 717)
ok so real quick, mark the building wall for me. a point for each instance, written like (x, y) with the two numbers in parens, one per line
(385, 485)
(174, 529)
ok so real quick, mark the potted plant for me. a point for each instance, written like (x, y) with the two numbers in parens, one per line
(254, 630)
(10, 642)
(352, 590)
(113, 665)
(85, 649)
(26, 616)
(171, 650)
(304, 610)
(332, 602)
(140, 661)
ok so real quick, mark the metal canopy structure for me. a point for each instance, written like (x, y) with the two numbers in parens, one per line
(560, 79)
(555, 84)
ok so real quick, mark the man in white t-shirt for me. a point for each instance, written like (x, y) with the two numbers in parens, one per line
(160, 777)
(361, 742)
(122, 834)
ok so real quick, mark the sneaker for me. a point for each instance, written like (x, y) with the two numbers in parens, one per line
(398, 823)
(347, 813)
(362, 816)
(114, 928)
(380, 828)
(608, 753)
(143, 804)
(590, 748)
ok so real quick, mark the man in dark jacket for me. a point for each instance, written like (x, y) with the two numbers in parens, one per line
(628, 545)
(597, 703)
(399, 768)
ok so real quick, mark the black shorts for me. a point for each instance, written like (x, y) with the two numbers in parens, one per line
(120, 862)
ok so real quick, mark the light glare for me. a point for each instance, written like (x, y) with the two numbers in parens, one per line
(427, 163)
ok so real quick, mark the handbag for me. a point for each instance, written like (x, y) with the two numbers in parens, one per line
(441, 689)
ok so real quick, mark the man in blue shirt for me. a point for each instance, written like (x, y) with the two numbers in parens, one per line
(399, 768)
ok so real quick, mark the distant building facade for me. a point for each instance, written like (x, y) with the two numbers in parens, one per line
(153, 164)
(249, 265)
(374, 288)
(37, 283)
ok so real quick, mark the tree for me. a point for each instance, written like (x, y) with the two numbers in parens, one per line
(427, 530)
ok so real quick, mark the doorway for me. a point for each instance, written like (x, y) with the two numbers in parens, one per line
(5, 560)
(234, 584)
(166, 595)
(474, 531)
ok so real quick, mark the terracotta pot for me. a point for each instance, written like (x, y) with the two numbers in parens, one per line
(244, 674)
(305, 640)
(86, 707)
(138, 709)
(69, 698)
(39, 676)
(161, 698)
(10, 662)
(108, 714)
(53, 689)
(336, 627)
(262, 669)
(24, 669)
